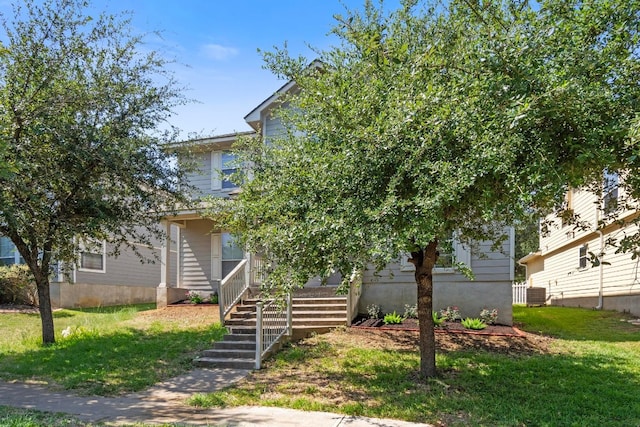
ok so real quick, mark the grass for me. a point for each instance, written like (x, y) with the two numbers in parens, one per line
(110, 351)
(590, 376)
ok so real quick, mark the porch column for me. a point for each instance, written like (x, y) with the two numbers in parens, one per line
(162, 298)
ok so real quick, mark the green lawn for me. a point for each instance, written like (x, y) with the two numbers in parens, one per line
(111, 350)
(590, 376)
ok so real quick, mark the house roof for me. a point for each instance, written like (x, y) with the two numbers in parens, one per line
(529, 257)
(213, 140)
(254, 116)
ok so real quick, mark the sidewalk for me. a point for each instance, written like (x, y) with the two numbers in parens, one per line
(163, 403)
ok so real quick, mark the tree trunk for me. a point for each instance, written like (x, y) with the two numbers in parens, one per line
(425, 260)
(44, 303)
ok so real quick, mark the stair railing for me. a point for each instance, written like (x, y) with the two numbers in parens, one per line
(272, 322)
(232, 287)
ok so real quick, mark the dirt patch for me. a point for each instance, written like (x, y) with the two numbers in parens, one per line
(195, 314)
(16, 308)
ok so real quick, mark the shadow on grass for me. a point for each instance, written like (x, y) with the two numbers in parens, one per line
(488, 389)
(112, 363)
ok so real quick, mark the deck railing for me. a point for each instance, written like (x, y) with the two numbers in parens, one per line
(273, 321)
(232, 287)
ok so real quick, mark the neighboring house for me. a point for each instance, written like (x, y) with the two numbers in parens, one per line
(99, 279)
(564, 265)
(205, 255)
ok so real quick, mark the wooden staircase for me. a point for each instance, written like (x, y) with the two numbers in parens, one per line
(312, 312)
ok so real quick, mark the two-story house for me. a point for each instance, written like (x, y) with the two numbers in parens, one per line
(206, 255)
(578, 265)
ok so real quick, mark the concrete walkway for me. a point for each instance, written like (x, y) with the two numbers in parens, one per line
(164, 403)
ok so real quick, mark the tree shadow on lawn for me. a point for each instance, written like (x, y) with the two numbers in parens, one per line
(127, 360)
(485, 388)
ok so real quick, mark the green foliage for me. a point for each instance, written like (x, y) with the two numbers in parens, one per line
(450, 314)
(17, 285)
(82, 107)
(473, 323)
(437, 319)
(489, 316)
(392, 319)
(410, 311)
(435, 119)
(195, 297)
(374, 311)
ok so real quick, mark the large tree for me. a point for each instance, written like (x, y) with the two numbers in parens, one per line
(82, 103)
(436, 119)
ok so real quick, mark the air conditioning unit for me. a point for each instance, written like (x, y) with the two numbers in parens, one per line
(536, 296)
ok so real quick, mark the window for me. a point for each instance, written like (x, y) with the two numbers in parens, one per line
(610, 190)
(93, 257)
(583, 256)
(232, 254)
(7, 251)
(228, 168)
(222, 167)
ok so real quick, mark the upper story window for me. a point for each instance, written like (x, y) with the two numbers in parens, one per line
(222, 167)
(93, 257)
(7, 251)
(610, 186)
(583, 257)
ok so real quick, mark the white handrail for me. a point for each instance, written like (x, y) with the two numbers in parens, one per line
(232, 287)
(353, 297)
(272, 323)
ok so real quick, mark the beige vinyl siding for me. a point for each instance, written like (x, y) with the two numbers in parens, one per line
(195, 256)
(563, 278)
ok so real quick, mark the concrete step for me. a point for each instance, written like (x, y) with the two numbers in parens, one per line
(299, 314)
(319, 307)
(240, 337)
(216, 353)
(318, 321)
(234, 345)
(321, 300)
(211, 362)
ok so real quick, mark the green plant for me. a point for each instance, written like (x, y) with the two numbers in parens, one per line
(473, 323)
(374, 311)
(392, 319)
(450, 314)
(410, 311)
(489, 316)
(17, 285)
(195, 297)
(437, 320)
(213, 299)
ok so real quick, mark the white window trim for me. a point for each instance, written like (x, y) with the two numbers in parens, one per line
(217, 176)
(104, 259)
(460, 252)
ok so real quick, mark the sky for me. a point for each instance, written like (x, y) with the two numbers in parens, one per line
(215, 43)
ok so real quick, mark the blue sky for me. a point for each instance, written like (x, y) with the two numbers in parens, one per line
(215, 43)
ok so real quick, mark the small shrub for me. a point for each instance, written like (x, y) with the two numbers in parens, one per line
(450, 314)
(475, 323)
(17, 285)
(437, 320)
(410, 311)
(195, 297)
(214, 298)
(392, 319)
(374, 311)
(489, 316)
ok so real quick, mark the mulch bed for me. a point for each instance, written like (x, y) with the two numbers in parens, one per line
(445, 328)
(17, 308)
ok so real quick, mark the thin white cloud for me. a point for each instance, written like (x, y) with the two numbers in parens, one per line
(218, 52)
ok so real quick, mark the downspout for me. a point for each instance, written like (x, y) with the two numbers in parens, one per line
(600, 272)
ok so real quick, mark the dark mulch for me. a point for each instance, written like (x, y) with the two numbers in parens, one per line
(18, 308)
(446, 327)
